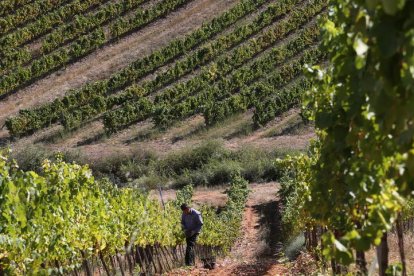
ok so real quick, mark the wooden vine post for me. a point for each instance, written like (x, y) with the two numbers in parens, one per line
(400, 235)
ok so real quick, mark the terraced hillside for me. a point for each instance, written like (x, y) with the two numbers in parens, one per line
(94, 75)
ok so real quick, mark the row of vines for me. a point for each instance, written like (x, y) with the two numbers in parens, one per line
(29, 121)
(26, 13)
(8, 6)
(211, 86)
(81, 46)
(79, 25)
(43, 24)
(355, 186)
(192, 98)
(65, 221)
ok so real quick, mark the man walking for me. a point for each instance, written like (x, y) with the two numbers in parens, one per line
(191, 222)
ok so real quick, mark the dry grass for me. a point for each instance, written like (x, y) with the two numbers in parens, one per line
(236, 133)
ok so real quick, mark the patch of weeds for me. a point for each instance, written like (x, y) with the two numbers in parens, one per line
(30, 158)
(243, 130)
(286, 127)
(177, 163)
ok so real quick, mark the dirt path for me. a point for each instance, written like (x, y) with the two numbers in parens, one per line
(255, 253)
(113, 57)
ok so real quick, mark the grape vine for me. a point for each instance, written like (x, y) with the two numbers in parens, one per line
(359, 176)
(53, 222)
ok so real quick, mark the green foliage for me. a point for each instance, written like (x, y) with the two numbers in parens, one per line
(29, 121)
(142, 17)
(56, 215)
(30, 158)
(190, 158)
(9, 6)
(12, 55)
(360, 174)
(83, 44)
(184, 195)
(294, 191)
(275, 105)
(45, 23)
(215, 100)
(163, 103)
(221, 172)
(84, 23)
(25, 13)
(227, 224)
(253, 164)
(212, 91)
(22, 75)
(64, 215)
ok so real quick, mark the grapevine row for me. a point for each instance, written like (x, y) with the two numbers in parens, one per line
(44, 24)
(27, 13)
(9, 6)
(270, 97)
(354, 185)
(279, 102)
(11, 54)
(105, 13)
(165, 114)
(53, 61)
(66, 33)
(30, 120)
(130, 113)
(220, 106)
(226, 64)
(274, 88)
(208, 102)
(79, 48)
(53, 222)
(73, 118)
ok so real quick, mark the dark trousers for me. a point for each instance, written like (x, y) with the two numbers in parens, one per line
(189, 251)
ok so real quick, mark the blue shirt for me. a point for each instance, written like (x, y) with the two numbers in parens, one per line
(192, 222)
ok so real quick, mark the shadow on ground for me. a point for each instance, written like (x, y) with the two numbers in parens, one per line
(270, 224)
(270, 231)
(255, 269)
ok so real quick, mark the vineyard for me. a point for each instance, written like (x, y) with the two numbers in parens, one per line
(103, 102)
(225, 63)
(216, 60)
(51, 230)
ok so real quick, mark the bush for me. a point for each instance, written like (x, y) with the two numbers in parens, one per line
(207, 164)
(190, 159)
(196, 178)
(257, 164)
(222, 172)
(214, 173)
(31, 158)
(149, 182)
(271, 172)
(141, 164)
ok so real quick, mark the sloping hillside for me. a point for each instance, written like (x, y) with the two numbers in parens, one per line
(158, 73)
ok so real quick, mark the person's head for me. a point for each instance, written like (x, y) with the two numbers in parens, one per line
(185, 208)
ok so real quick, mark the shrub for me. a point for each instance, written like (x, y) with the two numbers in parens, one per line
(190, 159)
(141, 164)
(222, 172)
(30, 158)
(149, 182)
